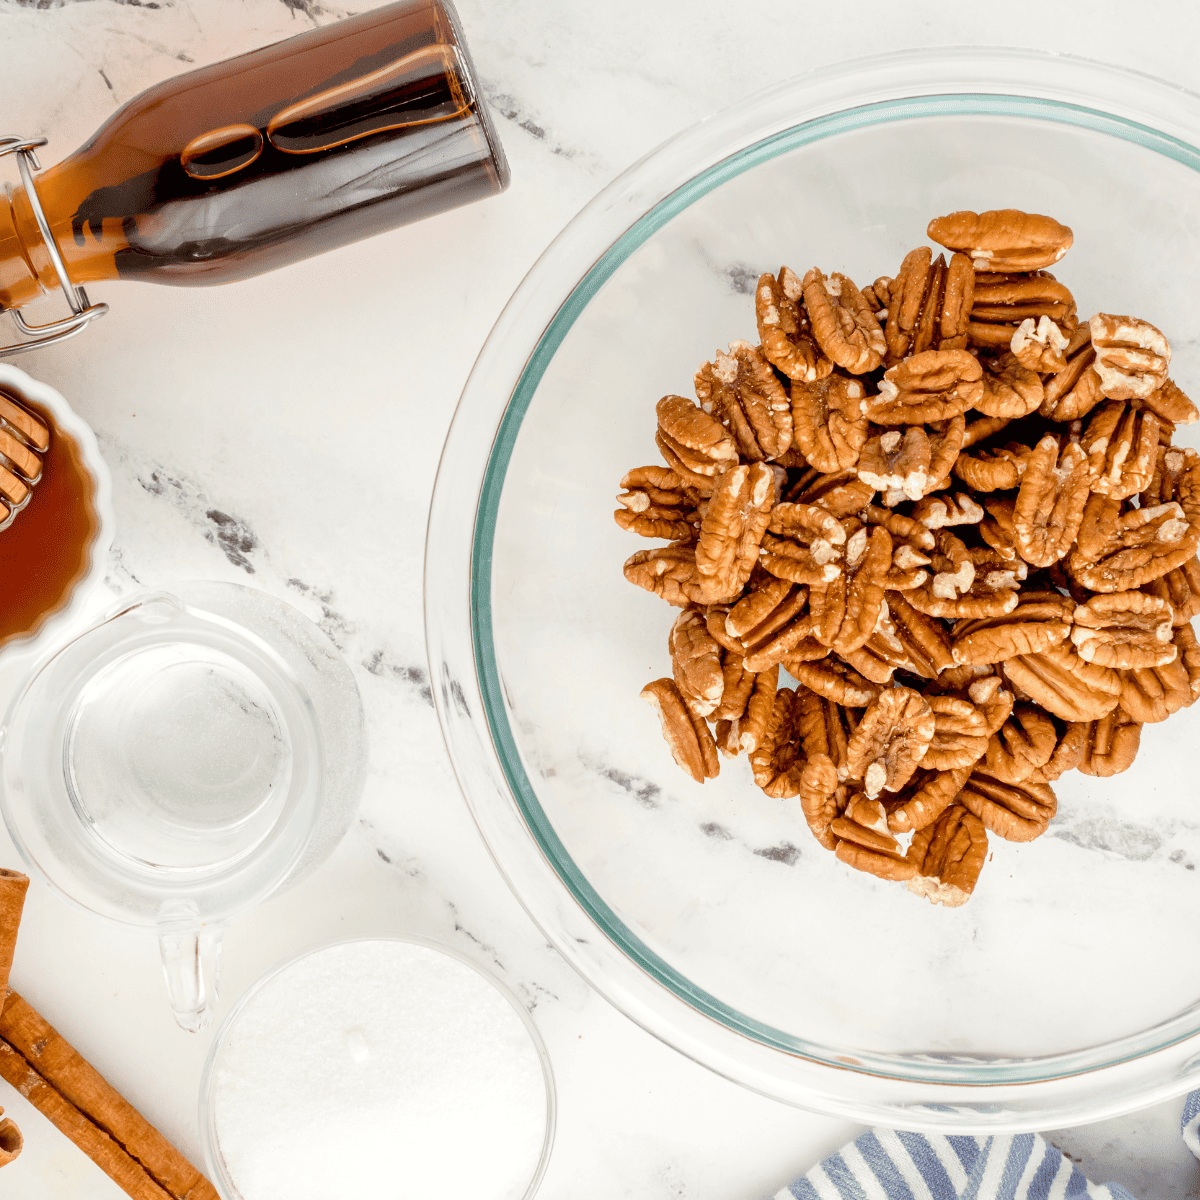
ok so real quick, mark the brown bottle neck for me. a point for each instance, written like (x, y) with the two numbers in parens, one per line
(19, 282)
(26, 269)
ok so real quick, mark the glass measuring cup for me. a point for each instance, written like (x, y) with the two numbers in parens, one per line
(181, 761)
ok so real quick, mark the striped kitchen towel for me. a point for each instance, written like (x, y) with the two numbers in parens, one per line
(884, 1164)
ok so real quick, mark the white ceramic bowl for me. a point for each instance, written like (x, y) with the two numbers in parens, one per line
(80, 576)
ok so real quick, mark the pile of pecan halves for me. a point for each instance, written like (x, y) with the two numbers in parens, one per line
(953, 513)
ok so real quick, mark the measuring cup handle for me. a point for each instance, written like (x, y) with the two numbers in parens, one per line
(191, 959)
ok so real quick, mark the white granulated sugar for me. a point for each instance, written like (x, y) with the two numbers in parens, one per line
(382, 1069)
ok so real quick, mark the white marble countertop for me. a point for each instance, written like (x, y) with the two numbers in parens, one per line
(212, 409)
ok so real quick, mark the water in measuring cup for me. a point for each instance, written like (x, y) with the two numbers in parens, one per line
(177, 758)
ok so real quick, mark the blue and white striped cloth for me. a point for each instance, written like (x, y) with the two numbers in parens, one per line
(884, 1164)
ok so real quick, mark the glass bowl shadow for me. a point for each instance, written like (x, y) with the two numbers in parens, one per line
(1064, 991)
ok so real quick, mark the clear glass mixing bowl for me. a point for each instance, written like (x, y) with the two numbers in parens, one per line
(1068, 988)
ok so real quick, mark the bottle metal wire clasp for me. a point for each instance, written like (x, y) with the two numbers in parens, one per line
(83, 313)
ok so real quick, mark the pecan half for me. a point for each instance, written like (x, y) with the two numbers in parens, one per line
(1039, 621)
(1010, 389)
(949, 855)
(740, 390)
(835, 680)
(1171, 405)
(769, 622)
(1039, 345)
(846, 608)
(889, 742)
(805, 651)
(924, 798)
(752, 727)
(1004, 302)
(944, 448)
(1072, 743)
(805, 544)
(784, 329)
(822, 798)
(1112, 744)
(1003, 239)
(959, 737)
(737, 685)
(841, 493)
(1152, 694)
(933, 385)
(778, 759)
(1017, 812)
(725, 735)
(863, 840)
(695, 440)
(664, 571)
(696, 663)
(997, 469)
(688, 736)
(1132, 356)
(878, 296)
(1180, 588)
(1075, 390)
(1189, 655)
(882, 654)
(897, 462)
(715, 616)
(1050, 503)
(828, 425)
(1117, 552)
(842, 322)
(1124, 629)
(924, 638)
(657, 503)
(966, 582)
(730, 533)
(1121, 442)
(1022, 745)
(1064, 684)
(1176, 478)
(656, 524)
(825, 727)
(905, 531)
(929, 304)
(942, 512)
(992, 699)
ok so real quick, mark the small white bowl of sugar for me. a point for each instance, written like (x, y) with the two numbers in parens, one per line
(377, 1067)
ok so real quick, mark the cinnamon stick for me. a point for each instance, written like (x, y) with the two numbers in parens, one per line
(10, 1141)
(13, 886)
(40, 1063)
(92, 1140)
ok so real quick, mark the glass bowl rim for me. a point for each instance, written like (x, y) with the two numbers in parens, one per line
(214, 1161)
(910, 83)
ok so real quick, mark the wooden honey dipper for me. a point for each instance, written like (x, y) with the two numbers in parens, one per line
(23, 437)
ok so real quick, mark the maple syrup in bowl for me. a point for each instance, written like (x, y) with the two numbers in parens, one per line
(54, 552)
(1064, 990)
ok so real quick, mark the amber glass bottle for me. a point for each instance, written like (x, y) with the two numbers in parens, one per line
(237, 168)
